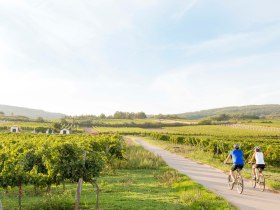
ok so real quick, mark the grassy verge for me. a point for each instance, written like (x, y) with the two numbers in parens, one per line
(271, 173)
(142, 181)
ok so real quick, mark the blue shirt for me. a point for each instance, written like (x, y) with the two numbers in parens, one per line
(237, 157)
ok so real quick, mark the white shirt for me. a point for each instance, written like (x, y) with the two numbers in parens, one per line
(259, 158)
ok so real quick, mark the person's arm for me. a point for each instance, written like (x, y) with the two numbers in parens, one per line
(226, 160)
(252, 158)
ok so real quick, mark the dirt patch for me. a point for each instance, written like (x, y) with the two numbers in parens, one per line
(129, 141)
(91, 131)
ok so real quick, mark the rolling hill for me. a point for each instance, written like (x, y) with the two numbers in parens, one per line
(30, 113)
(259, 110)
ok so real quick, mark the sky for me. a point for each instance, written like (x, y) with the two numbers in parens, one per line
(156, 56)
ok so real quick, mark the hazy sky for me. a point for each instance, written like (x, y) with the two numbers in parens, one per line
(156, 56)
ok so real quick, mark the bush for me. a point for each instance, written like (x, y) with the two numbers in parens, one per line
(136, 157)
(205, 122)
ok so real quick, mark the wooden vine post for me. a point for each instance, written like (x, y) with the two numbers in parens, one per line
(19, 193)
(79, 187)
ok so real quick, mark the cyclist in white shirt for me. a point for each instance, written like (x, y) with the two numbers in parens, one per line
(259, 157)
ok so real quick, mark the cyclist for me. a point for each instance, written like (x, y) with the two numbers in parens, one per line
(259, 157)
(237, 160)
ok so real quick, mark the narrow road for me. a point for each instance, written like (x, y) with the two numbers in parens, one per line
(216, 181)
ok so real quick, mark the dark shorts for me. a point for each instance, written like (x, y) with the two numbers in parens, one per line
(261, 166)
(234, 167)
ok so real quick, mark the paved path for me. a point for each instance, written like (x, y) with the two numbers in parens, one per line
(215, 180)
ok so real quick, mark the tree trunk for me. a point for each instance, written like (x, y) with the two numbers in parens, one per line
(94, 184)
(80, 184)
(19, 194)
(78, 194)
(63, 183)
(48, 189)
(35, 190)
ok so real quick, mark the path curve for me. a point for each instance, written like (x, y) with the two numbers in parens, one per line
(215, 181)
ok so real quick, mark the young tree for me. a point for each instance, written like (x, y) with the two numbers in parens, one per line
(102, 116)
(57, 127)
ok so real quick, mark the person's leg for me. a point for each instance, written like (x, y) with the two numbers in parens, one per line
(261, 168)
(254, 170)
(232, 172)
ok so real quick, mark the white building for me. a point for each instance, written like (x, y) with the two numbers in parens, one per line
(50, 131)
(14, 129)
(65, 131)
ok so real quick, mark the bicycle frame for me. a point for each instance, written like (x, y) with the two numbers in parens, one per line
(259, 178)
(258, 172)
(238, 180)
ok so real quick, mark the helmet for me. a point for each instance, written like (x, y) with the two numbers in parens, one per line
(258, 148)
(236, 146)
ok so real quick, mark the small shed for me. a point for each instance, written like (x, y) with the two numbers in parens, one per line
(14, 129)
(65, 131)
(49, 131)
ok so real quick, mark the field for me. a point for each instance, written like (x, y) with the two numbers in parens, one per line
(264, 123)
(79, 126)
(213, 142)
(32, 162)
(140, 181)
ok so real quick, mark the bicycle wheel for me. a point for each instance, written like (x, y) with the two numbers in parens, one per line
(261, 182)
(230, 182)
(240, 184)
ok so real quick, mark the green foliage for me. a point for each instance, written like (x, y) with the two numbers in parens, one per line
(218, 140)
(43, 160)
(40, 119)
(169, 177)
(137, 157)
(151, 186)
(57, 126)
(205, 122)
(129, 115)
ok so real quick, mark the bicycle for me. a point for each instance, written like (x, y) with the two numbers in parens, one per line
(238, 180)
(259, 179)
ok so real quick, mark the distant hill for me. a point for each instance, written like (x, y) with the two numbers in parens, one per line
(270, 110)
(27, 112)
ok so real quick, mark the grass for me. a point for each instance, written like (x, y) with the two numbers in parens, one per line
(271, 173)
(144, 182)
(265, 123)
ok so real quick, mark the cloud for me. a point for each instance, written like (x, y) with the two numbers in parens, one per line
(186, 6)
(156, 56)
(215, 84)
(234, 44)
(253, 12)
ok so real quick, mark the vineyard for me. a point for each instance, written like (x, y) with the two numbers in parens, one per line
(44, 160)
(217, 140)
(36, 127)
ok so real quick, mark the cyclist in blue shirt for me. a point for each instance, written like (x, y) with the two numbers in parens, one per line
(237, 159)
